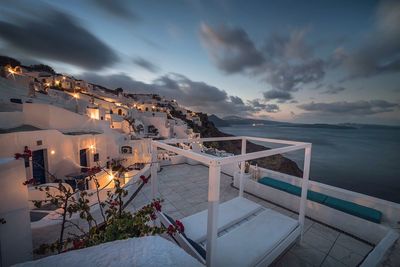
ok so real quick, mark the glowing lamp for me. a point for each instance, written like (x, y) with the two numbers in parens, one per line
(52, 152)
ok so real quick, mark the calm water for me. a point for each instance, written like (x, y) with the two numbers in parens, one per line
(361, 160)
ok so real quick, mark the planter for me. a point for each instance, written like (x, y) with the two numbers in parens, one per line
(246, 176)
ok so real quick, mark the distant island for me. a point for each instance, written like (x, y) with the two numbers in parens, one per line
(236, 120)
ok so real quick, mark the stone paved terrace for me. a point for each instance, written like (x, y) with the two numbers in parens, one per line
(184, 189)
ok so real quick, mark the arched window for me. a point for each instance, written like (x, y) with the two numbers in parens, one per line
(126, 150)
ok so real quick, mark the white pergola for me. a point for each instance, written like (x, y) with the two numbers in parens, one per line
(214, 163)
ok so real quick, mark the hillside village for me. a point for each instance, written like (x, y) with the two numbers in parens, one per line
(62, 133)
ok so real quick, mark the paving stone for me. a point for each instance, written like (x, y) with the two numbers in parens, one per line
(345, 255)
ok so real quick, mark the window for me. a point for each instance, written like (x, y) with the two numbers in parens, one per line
(126, 150)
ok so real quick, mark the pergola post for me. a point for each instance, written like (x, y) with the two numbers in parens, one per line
(304, 187)
(213, 204)
(153, 172)
(242, 168)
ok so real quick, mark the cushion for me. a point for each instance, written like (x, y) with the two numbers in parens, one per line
(332, 202)
(316, 197)
(230, 212)
(252, 241)
(274, 183)
(354, 209)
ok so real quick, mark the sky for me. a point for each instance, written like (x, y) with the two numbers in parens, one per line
(296, 61)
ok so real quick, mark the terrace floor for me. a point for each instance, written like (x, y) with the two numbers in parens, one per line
(184, 189)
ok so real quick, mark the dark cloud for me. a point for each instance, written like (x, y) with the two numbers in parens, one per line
(236, 100)
(286, 61)
(198, 96)
(379, 51)
(292, 46)
(50, 34)
(271, 108)
(230, 48)
(260, 105)
(280, 96)
(145, 64)
(117, 8)
(333, 89)
(354, 108)
(290, 77)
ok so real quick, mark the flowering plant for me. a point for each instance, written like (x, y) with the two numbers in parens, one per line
(117, 222)
(26, 154)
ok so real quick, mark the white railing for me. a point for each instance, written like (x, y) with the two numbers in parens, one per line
(214, 163)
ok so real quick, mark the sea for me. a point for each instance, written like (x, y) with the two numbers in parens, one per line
(362, 160)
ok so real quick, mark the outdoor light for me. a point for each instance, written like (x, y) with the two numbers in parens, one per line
(52, 152)
(10, 70)
(76, 95)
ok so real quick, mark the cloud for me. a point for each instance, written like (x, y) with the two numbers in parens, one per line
(354, 108)
(289, 77)
(117, 8)
(280, 96)
(271, 108)
(145, 64)
(379, 50)
(236, 100)
(230, 48)
(49, 34)
(195, 95)
(260, 105)
(333, 89)
(286, 61)
(292, 46)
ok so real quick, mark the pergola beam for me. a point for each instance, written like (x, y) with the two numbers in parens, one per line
(214, 163)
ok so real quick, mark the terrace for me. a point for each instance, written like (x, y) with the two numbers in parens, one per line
(184, 189)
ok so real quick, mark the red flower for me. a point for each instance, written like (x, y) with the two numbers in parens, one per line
(114, 203)
(157, 205)
(171, 229)
(144, 179)
(153, 216)
(179, 226)
(77, 244)
(27, 152)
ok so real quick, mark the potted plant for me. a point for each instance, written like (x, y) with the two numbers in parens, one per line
(246, 174)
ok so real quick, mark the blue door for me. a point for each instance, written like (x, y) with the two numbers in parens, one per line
(38, 166)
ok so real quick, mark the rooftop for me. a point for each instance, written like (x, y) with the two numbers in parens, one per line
(184, 189)
(22, 128)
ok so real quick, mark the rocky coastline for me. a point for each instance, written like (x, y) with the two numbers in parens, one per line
(276, 163)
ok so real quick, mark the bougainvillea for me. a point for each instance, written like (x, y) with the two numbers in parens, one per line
(117, 222)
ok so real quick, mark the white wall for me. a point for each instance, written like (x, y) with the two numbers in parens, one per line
(65, 159)
(15, 235)
(11, 119)
(50, 117)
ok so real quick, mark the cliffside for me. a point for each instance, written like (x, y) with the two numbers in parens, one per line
(276, 163)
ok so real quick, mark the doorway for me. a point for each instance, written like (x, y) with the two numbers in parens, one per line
(39, 166)
(83, 159)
